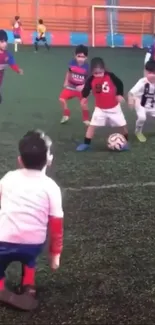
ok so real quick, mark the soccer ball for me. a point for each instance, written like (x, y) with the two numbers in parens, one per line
(116, 141)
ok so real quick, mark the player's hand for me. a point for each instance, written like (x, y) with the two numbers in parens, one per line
(131, 102)
(55, 261)
(83, 101)
(120, 99)
(79, 88)
(21, 72)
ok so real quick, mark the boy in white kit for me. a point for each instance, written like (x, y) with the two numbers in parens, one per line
(142, 98)
(30, 202)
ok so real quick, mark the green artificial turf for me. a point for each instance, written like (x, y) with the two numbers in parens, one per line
(107, 275)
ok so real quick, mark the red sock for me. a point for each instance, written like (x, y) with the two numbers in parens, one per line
(65, 109)
(85, 115)
(2, 284)
(28, 276)
(66, 112)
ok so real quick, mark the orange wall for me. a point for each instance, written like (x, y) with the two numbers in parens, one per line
(8, 10)
(138, 3)
(74, 15)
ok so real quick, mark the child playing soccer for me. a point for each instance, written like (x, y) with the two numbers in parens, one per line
(74, 82)
(30, 203)
(108, 93)
(17, 28)
(6, 58)
(41, 35)
(142, 98)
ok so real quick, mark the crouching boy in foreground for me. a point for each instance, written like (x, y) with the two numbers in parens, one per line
(30, 203)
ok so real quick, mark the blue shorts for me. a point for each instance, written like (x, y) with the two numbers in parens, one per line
(17, 36)
(23, 253)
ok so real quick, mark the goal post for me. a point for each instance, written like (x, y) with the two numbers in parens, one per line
(121, 21)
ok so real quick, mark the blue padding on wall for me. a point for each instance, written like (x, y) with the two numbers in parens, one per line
(118, 40)
(48, 37)
(10, 36)
(147, 40)
(78, 38)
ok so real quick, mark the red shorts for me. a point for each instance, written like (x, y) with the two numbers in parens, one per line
(70, 94)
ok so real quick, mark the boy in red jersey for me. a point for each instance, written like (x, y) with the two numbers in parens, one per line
(6, 59)
(31, 203)
(108, 92)
(74, 82)
(17, 32)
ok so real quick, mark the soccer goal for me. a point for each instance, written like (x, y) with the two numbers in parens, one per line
(115, 21)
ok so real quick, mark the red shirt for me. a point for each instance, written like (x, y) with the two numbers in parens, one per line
(17, 28)
(105, 90)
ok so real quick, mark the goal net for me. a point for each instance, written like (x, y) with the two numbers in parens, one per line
(114, 23)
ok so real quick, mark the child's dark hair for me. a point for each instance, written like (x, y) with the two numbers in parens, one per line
(40, 21)
(3, 35)
(150, 66)
(33, 149)
(97, 62)
(81, 49)
(17, 18)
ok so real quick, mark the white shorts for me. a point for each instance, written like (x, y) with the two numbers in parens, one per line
(142, 112)
(113, 117)
(17, 40)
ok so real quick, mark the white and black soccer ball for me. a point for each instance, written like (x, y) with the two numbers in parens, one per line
(116, 141)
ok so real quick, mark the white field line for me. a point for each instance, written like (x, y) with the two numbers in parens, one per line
(110, 186)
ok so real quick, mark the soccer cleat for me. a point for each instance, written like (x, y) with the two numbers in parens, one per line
(28, 289)
(86, 123)
(140, 136)
(21, 301)
(64, 119)
(83, 147)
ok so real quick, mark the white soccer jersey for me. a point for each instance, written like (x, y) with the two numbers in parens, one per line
(144, 92)
(28, 198)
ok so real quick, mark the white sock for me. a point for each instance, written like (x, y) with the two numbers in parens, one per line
(16, 47)
(139, 126)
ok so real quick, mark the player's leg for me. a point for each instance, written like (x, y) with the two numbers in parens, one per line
(37, 40)
(65, 95)
(17, 41)
(84, 108)
(98, 119)
(87, 140)
(8, 254)
(45, 43)
(29, 255)
(117, 119)
(141, 118)
(3, 266)
(15, 45)
(151, 112)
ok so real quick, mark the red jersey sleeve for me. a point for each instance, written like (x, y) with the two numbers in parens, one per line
(12, 63)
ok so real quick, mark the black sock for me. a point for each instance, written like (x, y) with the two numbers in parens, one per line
(36, 46)
(126, 136)
(87, 141)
